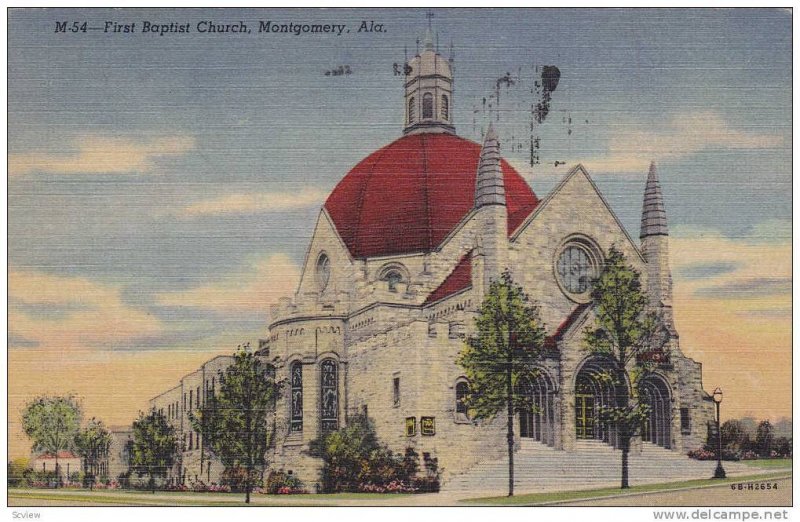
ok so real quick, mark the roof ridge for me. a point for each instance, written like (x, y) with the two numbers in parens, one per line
(464, 263)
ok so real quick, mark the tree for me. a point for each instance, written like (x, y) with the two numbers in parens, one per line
(155, 446)
(92, 444)
(234, 423)
(733, 436)
(507, 344)
(764, 438)
(52, 423)
(623, 334)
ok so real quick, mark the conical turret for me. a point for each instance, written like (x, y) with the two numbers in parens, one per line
(490, 210)
(489, 185)
(654, 217)
(655, 248)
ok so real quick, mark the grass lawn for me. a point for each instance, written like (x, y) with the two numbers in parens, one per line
(769, 463)
(173, 498)
(560, 496)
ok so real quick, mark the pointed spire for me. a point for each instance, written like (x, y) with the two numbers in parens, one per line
(428, 42)
(654, 216)
(489, 184)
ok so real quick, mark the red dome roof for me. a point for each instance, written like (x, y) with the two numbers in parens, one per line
(409, 195)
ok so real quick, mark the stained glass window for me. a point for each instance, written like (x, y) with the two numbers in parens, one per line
(576, 267)
(330, 396)
(297, 396)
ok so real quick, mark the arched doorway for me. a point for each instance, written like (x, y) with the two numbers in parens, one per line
(537, 418)
(597, 385)
(655, 392)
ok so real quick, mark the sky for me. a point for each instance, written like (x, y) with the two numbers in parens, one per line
(162, 190)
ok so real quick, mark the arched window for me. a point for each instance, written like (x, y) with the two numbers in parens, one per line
(393, 277)
(462, 390)
(329, 395)
(323, 271)
(296, 378)
(411, 111)
(393, 274)
(445, 107)
(427, 106)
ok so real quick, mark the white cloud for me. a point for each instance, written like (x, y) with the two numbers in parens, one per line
(72, 312)
(631, 147)
(252, 203)
(252, 289)
(94, 154)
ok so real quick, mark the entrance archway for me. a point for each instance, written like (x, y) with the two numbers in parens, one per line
(655, 392)
(537, 421)
(597, 385)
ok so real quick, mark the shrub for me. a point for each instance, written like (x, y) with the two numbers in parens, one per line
(124, 480)
(705, 454)
(355, 461)
(234, 477)
(219, 488)
(282, 483)
(782, 446)
(702, 454)
(17, 470)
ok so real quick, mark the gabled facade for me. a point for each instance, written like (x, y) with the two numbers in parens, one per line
(402, 254)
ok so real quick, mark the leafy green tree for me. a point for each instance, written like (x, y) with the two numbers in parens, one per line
(505, 348)
(155, 447)
(235, 423)
(52, 423)
(92, 444)
(624, 335)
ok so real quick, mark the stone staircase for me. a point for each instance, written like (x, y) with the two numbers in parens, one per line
(594, 464)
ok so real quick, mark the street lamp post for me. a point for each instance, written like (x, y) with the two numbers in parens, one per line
(719, 473)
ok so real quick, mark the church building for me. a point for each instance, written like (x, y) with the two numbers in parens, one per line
(401, 257)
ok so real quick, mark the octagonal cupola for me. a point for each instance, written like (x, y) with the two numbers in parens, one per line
(429, 91)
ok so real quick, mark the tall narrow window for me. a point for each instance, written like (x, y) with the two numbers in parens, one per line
(427, 106)
(462, 389)
(686, 427)
(297, 397)
(445, 107)
(198, 397)
(396, 391)
(190, 399)
(411, 112)
(329, 396)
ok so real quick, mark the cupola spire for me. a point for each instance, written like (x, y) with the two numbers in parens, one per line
(429, 90)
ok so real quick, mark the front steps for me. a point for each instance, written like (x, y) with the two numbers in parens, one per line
(594, 464)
